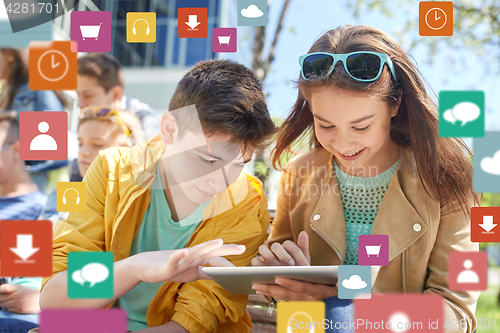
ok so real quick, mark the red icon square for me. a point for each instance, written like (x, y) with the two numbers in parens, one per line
(52, 66)
(192, 23)
(468, 271)
(43, 135)
(484, 224)
(26, 248)
(399, 313)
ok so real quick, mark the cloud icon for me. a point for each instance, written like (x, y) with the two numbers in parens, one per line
(491, 164)
(252, 12)
(354, 282)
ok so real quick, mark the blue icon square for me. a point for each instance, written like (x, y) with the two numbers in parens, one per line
(252, 13)
(355, 282)
(486, 152)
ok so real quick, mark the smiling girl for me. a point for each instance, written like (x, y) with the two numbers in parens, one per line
(376, 166)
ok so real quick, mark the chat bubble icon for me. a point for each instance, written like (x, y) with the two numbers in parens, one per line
(448, 116)
(77, 277)
(94, 273)
(466, 112)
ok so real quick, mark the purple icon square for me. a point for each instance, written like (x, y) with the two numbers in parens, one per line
(91, 30)
(83, 321)
(373, 250)
(224, 39)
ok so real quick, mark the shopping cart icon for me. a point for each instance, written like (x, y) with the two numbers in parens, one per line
(90, 31)
(224, 39)
(373, 250)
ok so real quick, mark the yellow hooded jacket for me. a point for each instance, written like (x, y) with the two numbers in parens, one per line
(118, 194)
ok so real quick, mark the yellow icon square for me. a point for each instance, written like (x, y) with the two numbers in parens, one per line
(71, 196)
(301, 317)
(141, 27)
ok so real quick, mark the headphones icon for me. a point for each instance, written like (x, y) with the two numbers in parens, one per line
(133, 26)
(77, 198)
(311, 330)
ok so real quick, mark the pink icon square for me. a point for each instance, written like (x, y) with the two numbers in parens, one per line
(468, 271)
(373, 250)
(224, 39)
(83, 321)
(91, 30)
(43, 135)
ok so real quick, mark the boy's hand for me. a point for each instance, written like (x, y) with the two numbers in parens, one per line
(19, 299)
(183, 265)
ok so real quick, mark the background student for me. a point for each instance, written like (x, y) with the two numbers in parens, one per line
(20, 199)
(16, 95)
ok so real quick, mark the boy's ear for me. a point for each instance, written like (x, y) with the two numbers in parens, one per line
(168, 128)
(15, 147)
(117, 93)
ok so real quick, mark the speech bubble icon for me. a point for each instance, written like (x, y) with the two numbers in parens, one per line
(94, 273)
(466, 112)
(448, 116)
(77, 277)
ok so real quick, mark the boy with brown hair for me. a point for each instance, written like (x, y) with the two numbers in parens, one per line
(175, 194)
(100, 83)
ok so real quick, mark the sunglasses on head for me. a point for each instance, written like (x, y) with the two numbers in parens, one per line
(362, 66)
(103, 113)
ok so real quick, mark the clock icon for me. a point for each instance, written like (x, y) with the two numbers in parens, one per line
(435, 18)
(53, 65)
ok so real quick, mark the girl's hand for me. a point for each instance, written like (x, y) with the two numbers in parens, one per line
(291, 254)
(183, 265)
(288, 254)
(293, 290)
(19, 299)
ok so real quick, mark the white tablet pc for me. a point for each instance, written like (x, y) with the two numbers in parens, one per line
(239, 280)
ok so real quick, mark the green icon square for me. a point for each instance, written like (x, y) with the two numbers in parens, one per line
(461, 114)
(90, 275)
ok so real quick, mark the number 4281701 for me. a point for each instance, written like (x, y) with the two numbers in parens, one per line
(35, 8)
(462, 324)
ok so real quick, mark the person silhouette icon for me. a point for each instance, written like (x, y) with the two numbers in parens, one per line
(43, 141)
(467, 275)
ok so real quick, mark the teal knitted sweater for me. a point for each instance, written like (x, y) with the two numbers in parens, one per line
(361, 198)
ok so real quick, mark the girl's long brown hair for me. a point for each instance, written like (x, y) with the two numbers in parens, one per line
(444, 165)
(18, 74)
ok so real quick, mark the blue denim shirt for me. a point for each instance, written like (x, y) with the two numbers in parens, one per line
(35, 100)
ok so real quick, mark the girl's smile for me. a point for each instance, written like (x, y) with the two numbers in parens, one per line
(355, 128)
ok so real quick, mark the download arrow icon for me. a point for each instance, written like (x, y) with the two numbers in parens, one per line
(193, 22)
(488, 224)
(24, 248)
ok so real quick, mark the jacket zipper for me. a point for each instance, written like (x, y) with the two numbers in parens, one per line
(126, 200)
(328, 242)
(403, 270)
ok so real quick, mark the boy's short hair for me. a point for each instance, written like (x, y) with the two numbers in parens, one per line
(229, 101)
(13, 129)
(104, 67)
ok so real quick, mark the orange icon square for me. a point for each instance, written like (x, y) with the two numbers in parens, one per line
(435, 18)
(52, 66)
(192, 23)
(484, 224)
(26, 248)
